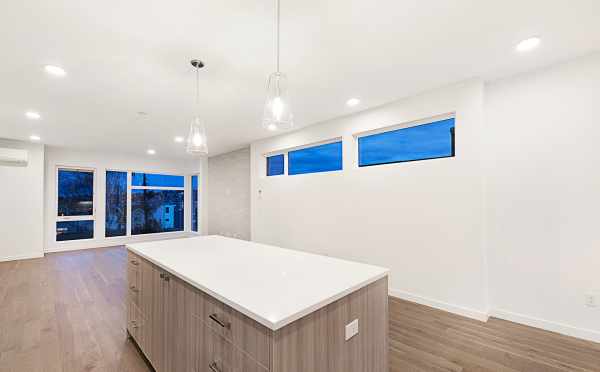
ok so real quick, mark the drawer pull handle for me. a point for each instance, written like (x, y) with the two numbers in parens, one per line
(219, 322)
(214, 367)
(134, 324)
(133, 288)
(134, 262)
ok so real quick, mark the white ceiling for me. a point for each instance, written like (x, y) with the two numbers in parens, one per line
(128, 56)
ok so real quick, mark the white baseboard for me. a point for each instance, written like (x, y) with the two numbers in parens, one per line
(21, 257)
(112, 242)
(564, 329)
(455, 309)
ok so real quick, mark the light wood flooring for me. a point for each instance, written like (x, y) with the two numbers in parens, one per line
(66, 312)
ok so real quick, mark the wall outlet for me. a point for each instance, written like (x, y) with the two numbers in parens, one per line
(351, 329)
(591, 300)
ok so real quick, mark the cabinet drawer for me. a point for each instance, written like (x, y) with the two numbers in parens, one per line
(222, 356)
(241, 331)
(135, 322)
(134, 283)
(133, 260)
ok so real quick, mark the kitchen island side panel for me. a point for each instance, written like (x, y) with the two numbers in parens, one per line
(318, 342)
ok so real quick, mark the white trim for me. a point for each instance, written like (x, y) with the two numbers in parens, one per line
(74, 218)
(20, 257)
(564, 329)
(455, 309)
(77, 245)
(129, 207)
(158, 187)
(407, 124)
(305, 146)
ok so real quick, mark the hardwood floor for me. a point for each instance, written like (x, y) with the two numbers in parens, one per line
(425, 339)
(66, 312)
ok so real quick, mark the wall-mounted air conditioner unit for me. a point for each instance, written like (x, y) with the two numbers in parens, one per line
(13, 157)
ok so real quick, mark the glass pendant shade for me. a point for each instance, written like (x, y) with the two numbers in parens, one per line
(197, 141)
(278, 110)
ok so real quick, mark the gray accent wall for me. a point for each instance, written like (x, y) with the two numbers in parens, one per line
(229, 194)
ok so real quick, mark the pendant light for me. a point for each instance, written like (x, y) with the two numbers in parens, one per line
(197, 141)
(278, 111)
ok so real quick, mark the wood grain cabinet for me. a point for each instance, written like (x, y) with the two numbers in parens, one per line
(182, 329)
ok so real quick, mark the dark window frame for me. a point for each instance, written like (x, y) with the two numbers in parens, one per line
(75, 218)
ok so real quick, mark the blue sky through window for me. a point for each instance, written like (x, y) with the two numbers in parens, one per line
(427, 141)
(315, 159)
(275, 165)
(158, 180)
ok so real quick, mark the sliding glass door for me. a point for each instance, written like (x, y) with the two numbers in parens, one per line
(75, 215)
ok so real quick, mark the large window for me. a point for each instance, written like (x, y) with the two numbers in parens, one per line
(315, 159)
(116, 204)
(157, 203)
(195, 203)
(421, 142)
(75, 204)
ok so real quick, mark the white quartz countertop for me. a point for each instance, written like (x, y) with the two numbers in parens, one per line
(271, 285)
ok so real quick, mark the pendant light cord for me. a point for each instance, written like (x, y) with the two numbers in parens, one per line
(197, 90)
(278, 16)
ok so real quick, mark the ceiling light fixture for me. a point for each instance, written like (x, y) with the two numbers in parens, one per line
(197, 143)
(34, 138)
(33, 115)
(278, 111)
(151, 152)
(179, 139)
(352, 102)
(55, 70)
(528, 44)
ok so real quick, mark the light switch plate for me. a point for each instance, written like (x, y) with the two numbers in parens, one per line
(351, 329)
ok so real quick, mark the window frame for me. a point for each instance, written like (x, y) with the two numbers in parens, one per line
(198, 214)
(286, 151)
(128, 207)
(92, 217)
(285, 161)
(390, 128)
(130, 188)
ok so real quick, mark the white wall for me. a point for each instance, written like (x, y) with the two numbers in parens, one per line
(423, 220)
(543, 141)
(22, 204)
(229, 194)
(101, 162)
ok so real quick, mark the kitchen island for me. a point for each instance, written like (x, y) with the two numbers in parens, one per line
(222, 305)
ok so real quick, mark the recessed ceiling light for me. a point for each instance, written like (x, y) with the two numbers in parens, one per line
(34, 138)
(178, 139)
(528, 44)
(272, 127)
(151, 152)
(352, 102)
(55, 70)
(33, 115)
